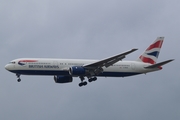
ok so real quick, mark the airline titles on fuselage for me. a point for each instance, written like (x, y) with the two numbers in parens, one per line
(44, 66)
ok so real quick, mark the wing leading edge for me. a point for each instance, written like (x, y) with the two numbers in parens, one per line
(108, 61)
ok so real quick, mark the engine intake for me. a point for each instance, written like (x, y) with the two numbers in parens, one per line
(77, 71)
(63, 79)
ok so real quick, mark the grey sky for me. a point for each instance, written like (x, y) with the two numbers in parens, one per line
(91, 29)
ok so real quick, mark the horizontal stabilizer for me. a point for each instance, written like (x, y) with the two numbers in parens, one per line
(159, 64)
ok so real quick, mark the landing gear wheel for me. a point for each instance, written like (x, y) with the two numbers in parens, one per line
(82, 84)
(85, 83)
(19, 80)
(92, 79)
(95, 78)
(89, 80)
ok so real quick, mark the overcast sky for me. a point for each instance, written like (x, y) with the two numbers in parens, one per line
(89, 29)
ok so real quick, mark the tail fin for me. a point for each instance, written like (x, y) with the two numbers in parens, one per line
(152, 52)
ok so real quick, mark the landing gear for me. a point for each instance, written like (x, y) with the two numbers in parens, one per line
(18, 76)
(82, 83)
(92, 79)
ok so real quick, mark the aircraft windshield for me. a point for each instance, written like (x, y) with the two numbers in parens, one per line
(12, 62)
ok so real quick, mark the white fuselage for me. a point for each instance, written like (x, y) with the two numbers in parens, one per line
(64, 70)
(37, 66)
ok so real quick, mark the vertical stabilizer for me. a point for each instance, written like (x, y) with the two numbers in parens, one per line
(152, 52)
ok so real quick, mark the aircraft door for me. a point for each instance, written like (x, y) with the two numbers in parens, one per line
(133, 66)
(55, 63)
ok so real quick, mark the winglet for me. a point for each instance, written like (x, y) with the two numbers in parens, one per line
(159, 64)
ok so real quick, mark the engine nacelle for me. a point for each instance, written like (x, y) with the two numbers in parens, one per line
(77, 71)
(63, 79)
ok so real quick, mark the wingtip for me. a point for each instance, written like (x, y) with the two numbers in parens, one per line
(171, 60)
(134, 49)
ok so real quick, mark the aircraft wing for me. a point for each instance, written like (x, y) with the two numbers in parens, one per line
(108, 61)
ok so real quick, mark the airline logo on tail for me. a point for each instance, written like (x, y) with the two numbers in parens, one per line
(152, 52)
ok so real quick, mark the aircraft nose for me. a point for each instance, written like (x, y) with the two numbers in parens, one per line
(7, 67)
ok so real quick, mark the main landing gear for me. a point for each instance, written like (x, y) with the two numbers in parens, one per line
(18, 76)
(92, 79)
(84, 83)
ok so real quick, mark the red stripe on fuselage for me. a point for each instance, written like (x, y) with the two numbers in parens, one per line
(157, 44)
(28, 61)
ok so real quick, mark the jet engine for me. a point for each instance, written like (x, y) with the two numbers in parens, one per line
(63, 79)
(77, 71)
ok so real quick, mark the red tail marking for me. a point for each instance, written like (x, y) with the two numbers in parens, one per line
(157, 44)
(147, 60)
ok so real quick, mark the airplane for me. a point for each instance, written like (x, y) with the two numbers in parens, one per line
(64, 70)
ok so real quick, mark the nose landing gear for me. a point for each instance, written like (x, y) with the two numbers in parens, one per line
(18, 76)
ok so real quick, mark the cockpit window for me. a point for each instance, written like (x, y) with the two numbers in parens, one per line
(12, 62)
